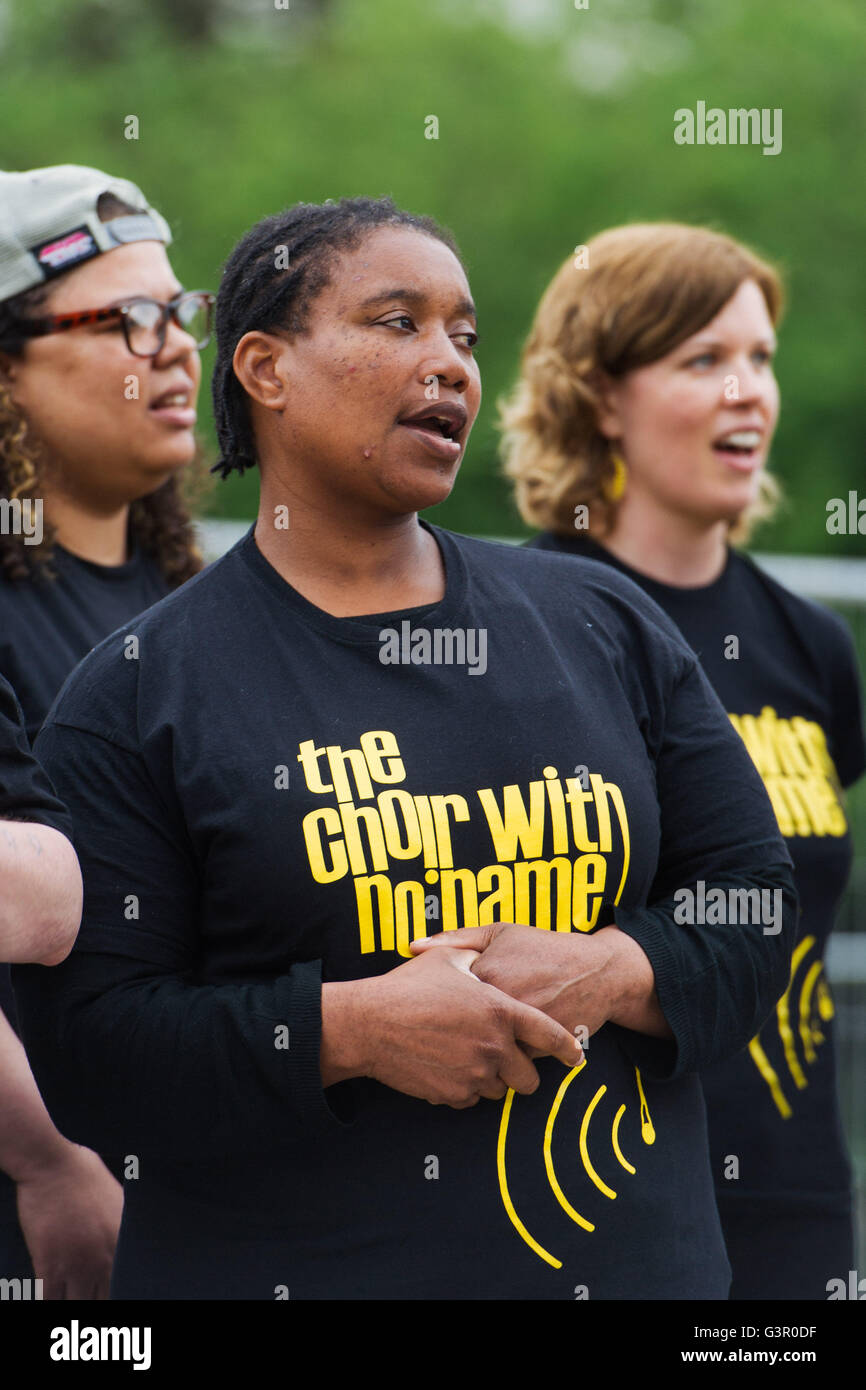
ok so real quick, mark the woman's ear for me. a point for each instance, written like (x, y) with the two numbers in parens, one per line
(260, 367)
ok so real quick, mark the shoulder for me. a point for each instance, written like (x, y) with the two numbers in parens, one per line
(559, 580)
(822, 632)
(101, 695)
(564, 585)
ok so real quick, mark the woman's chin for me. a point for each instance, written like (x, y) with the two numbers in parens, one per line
(430, 492)
(736, 499)
(155, 475)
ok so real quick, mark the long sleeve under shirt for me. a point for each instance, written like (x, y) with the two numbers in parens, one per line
(268, 797)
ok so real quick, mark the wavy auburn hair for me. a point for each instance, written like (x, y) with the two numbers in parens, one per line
(646, 287)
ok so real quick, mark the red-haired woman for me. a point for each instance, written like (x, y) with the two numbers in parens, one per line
(638, 435)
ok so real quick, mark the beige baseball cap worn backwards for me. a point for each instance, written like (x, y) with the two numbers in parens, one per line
(49, 222)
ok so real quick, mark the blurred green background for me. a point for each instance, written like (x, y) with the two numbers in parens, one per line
(554, 123)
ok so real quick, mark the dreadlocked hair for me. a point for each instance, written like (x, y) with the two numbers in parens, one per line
(269, 283)
(160, 524)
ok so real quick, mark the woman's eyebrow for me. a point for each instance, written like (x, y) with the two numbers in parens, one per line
(463, 306)
(763, 341)
(127, 298)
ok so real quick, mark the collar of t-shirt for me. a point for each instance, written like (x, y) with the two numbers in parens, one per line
(364, 629)
(668, 596)
(67, 561)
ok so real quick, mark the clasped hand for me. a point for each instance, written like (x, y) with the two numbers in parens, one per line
(461, 1020)
(577, 979)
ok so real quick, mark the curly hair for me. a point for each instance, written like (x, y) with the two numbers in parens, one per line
(159, 524)
(639, 292)
(270, 281)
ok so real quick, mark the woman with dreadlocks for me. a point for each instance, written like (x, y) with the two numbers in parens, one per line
(351, 731)
(99, 372)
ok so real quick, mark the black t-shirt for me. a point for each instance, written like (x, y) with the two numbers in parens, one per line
(786, 671)
(48, 624)
(25, 792)
(268, 797)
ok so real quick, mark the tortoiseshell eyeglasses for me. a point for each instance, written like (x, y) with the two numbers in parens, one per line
(144, 321)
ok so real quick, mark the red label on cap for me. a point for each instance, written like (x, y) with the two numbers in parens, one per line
(55, 256)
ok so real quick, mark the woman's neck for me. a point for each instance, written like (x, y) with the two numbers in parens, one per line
(351, 568)
(670, 548)
(98, 536)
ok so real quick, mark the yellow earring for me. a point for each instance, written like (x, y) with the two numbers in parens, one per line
(615, 487)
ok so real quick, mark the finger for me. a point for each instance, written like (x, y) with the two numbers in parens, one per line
(464, 1104)
(52, 1286)
(517, 1071)
(539, 1030)
(78, 1286)
(494, 1089)
(467, 938)
(464, 960)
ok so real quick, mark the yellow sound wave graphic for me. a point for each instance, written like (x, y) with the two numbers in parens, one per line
(806, 1034)
(647, 1134)
(614, 1139)
(584, 1152)
(762, 1062)
(814, 998)
(505, 1194)
(548, 1158)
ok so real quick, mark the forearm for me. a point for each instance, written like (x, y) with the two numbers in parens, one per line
(28, 1139)
(40, 903)
(634, 999)
(716, 982)
(131, 1061)
(346, 1010)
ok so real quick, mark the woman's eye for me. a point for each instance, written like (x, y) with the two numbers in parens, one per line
(761, 355)
(702, 358)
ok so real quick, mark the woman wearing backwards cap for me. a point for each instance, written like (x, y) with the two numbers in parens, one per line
(99, 373)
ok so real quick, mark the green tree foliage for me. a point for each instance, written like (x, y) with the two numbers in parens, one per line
(554, 122)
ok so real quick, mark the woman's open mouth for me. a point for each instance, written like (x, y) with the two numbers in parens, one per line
(175, 408)
(741, 449)
(438, 427)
